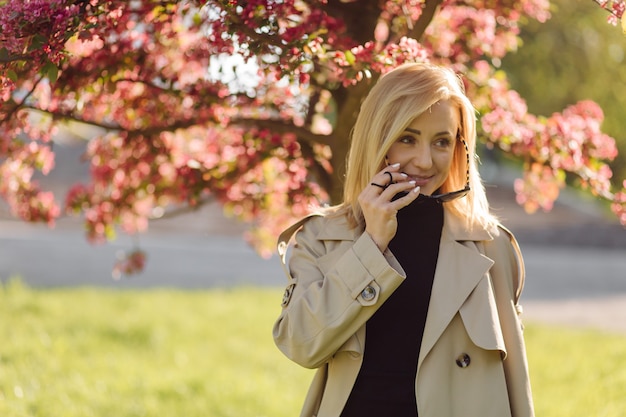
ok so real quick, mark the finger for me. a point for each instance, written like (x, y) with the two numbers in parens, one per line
(407, 199)
(397, 187)
(383, 175)
(378, 185)
(392, 167)
(388, 177)
(395, 177)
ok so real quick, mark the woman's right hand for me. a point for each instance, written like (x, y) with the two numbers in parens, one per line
(378, 209)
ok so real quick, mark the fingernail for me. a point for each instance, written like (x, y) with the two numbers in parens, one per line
(404, 175)
(412, 182)
(396, 165)
(416, 190)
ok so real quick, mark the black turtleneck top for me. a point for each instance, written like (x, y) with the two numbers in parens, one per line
(385, 385)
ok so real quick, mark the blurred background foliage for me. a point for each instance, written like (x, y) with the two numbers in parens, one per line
(574, 56)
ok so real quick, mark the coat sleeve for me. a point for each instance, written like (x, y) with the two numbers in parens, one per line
(508, 278)
(335, 287)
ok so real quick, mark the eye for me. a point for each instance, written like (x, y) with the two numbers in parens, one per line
(408, 140)
(443, 142)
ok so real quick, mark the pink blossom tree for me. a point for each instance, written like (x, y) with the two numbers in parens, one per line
(251, 103)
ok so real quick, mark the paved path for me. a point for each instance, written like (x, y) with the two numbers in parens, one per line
(566, 284)
(603, 313)
(182, 258)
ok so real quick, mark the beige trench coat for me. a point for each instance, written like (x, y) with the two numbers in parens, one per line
(472, 361)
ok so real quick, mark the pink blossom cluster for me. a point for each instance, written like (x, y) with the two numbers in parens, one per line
(615, 8)
(406, 50)
(129, 263)
(397, 16)
(505, 116)
(293, 32)
(7, 85)
(123, 189)
(24, 148)
(576, 132)
(37, 28)
(539, 187)
(510, 10)
(260, 177)
(464, 32)
(352, 66)
(273, 188)
(485, 34)
(618, 206)
(26, 200)
(402, 10)
(570, 141)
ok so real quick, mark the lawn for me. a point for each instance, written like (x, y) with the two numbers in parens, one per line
(94, 352)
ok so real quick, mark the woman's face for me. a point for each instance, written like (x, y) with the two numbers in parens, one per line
(426, 148)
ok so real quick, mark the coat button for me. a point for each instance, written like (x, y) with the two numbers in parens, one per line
(463, 360)
(287, 295)
(368, 293)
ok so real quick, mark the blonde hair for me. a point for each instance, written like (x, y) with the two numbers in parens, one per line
(393, 103)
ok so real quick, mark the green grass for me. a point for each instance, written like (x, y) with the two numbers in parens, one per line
(108, 353)
(577, 373)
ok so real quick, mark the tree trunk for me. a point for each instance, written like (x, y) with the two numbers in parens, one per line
(349, 103)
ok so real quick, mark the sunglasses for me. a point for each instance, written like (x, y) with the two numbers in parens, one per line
(445, 197)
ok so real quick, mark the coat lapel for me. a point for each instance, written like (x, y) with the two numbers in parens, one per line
(460, 267)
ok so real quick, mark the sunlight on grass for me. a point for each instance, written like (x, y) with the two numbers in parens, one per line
(88, 352)
(94, 352)
(577, 372)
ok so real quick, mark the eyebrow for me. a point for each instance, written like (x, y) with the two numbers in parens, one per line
(419, 132)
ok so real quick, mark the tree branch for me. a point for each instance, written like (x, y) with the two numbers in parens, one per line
(153, 130)
(21, 105)
(610, 11)
(360, 17)
(147, 84)
(428, 12)
(73, 118)
(286, 127)
(13, 58)
(148, 131)
(306, 139)
(184, 209)
(323, 177)
(261, 39)
(310, 113)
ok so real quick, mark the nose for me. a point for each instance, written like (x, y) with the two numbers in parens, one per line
(422, 158)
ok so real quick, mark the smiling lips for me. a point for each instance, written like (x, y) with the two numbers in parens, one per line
(419, 180)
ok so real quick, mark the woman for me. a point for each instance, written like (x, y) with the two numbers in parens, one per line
(405, 296)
